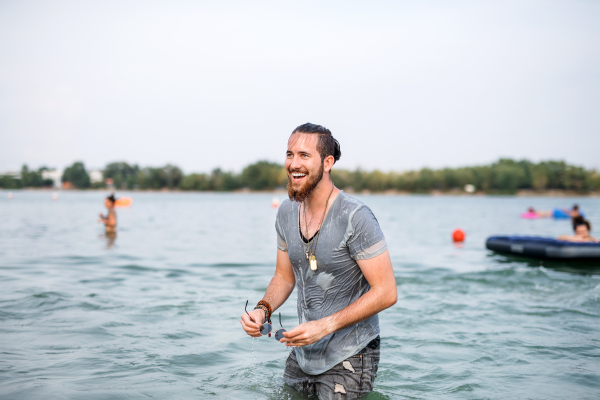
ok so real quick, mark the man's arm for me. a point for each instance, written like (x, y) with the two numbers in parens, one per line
(278, 291)
(383, 294)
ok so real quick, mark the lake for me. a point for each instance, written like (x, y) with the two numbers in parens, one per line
(155, 313)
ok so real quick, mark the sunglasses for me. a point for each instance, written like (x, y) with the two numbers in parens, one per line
(265, 329)
(279, 332)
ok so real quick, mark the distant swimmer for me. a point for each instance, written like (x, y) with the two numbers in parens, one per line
(574, 213)
(110, 220)
(532, 214)
(582, 230)
(566, 213)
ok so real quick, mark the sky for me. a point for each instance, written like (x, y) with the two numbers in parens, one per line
(401, 84)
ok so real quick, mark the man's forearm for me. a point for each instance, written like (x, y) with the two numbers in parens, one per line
(278, 291)
(374, 301)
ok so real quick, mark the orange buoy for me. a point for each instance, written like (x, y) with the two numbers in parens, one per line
(123, 202)
(458, 235)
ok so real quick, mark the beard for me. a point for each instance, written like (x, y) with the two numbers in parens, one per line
(307, 187)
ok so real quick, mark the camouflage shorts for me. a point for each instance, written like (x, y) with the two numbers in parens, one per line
(351, 379)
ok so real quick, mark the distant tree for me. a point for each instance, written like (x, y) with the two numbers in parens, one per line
(263, 175)
(168, 176)
(341, 178)
(9, 182)
(377, 181)
(30, 178)
(224, 181)
(77, 175)
(195, 182)
(123, 175)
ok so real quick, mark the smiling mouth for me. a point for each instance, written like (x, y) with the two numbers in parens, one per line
(297, 177)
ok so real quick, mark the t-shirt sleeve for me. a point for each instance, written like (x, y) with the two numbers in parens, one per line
(366, 239)
(281, 243)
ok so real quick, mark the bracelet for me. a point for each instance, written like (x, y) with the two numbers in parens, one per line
(261, 307)
(267, 308)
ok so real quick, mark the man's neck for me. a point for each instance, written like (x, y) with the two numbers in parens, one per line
(318, 197)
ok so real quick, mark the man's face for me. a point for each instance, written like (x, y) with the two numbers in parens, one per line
(303, 165)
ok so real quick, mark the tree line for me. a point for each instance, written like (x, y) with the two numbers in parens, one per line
(505, 176)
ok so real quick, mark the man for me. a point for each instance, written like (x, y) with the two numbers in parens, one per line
(331, 246)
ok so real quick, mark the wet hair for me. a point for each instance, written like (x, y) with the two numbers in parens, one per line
(530, 209)
(575, 207)
(112, 198)
(581, 221)
(327, 145)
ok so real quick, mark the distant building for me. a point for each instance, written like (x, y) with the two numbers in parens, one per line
(54, 175)
(96, 176)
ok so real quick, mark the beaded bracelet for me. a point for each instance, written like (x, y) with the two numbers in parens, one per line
(268, 310)
(261, 307)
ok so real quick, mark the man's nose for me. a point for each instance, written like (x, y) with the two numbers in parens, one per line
(296, 164)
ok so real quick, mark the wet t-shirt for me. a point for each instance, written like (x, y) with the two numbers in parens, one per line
(349, 232)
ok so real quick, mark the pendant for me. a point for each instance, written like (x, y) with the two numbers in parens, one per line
(306, 253)
(313, 262)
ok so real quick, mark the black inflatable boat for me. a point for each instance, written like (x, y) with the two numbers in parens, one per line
(540, 247)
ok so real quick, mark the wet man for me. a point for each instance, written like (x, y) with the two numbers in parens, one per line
(331, 246)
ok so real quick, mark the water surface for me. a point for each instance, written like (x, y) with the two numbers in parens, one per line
(155, 313)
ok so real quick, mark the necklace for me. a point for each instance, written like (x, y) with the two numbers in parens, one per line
(310, 253)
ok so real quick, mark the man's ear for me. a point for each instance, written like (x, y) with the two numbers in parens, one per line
(328, 163)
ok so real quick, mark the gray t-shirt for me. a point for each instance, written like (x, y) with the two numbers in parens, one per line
(349, 232)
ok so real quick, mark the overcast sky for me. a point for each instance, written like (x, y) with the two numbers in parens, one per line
(401, 84)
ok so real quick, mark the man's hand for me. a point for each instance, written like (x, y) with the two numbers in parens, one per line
(279, 289)
(307, 333)
(252, 323)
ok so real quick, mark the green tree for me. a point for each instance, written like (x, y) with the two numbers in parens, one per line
(32, 178)
(223, 181)
(77, 175)
(263, 175)
(195, 182)
(168, 176)
(123, 175)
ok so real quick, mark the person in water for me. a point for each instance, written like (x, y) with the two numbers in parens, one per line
(330, 246)
(110, 220)
(540, 214)
(582, 230)
(574, 213)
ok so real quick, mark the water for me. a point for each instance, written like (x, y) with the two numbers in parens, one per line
(155, 314)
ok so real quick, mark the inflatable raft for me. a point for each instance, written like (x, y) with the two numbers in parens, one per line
(540, 247)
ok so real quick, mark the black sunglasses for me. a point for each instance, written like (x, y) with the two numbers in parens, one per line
(265, 329)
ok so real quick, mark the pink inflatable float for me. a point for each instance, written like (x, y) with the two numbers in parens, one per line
(529, 215)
